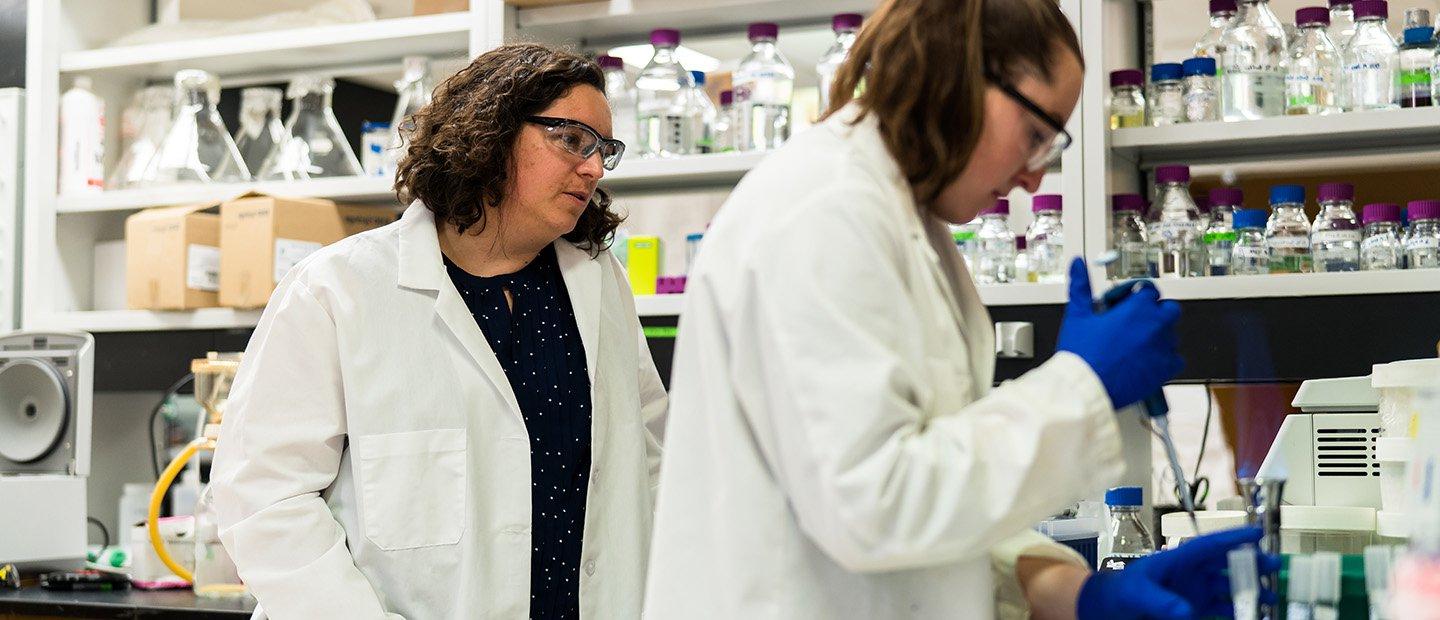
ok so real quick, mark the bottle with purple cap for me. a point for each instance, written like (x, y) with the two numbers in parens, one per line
(845, 25)
(723, 136)
(620, 94)
(1222, 13)
(1252, 55)
(1127, 237)
(1422, 241)
(763, 85)
(1335, 236)
(663, 88)
(1045, 239)
(1384, 245)
(1287, 233)
(1023, 271)
(1312, 65)
(1371, 60)
(996, 252)
(1127, 98)
(1175, 232)
(1220, 235)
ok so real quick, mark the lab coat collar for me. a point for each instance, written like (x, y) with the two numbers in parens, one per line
(582, 279)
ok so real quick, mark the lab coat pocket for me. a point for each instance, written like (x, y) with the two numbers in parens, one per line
(412, 487)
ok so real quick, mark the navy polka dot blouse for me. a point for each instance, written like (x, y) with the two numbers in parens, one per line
(539, 347)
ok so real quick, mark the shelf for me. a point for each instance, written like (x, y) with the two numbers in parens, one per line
(632, 20)
(149, 321)
(1352, 134)
(355, 189)
(659, 305)
(1023, 294)
(300, 49)
(1302, 285)
(688, 170)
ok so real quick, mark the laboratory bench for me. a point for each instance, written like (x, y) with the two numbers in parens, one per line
(34, 602)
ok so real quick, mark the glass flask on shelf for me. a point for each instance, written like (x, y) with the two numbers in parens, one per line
(313, 147)
(1252, 52)
(661, 90)
(1371, 60)
(1175, 234)
(197, 148)
(152, 119)
(260, 127)
(415, 88)
(763, 85)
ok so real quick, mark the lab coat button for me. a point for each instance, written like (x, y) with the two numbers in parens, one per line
(590, 568)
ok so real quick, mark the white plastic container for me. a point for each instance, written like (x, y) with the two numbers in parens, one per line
(1338, 529)
(1176, 527)
(1398, 383)
(1394, 455)
(82, 139)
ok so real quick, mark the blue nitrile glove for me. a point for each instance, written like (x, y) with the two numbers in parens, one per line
(1182, 583)
(1131, 347)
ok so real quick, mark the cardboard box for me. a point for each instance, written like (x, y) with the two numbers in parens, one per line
(431, 7)
(262, 237)
(172, 258)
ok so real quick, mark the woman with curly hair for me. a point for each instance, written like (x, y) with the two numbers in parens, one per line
(456, 416)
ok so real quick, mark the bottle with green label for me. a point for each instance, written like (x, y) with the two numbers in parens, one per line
(1220, 235)
(1287, 234)
(1417, 60)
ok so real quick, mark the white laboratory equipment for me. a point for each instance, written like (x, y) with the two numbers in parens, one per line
(12, 141)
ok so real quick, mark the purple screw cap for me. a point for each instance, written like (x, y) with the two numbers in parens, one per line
(1127, 77)
(1226, 196)
(727, 97)
(1172, 174)
(1312, 15)
(1372, 9)
(1127, 202)
(1335, 3)
(846, 21)
(1424, 210)
(1046, 202)
(610, 62)
(1223, 6)
(1001, 207)
(665, 37)
(763, 30)
(1335, 192)
(1380, 212)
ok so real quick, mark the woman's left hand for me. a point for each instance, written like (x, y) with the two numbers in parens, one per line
(1182, 583)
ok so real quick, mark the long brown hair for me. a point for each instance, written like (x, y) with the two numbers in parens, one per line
(921, 66)
(460, 153)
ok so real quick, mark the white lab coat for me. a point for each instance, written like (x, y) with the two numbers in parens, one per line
(834, 449)
(373, 461)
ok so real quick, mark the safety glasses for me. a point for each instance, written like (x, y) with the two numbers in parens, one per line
(580, 139)
(1046, 148)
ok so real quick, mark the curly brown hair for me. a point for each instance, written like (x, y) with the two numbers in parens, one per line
(460, 152)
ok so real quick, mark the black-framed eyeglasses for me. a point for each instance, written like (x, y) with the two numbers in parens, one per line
(580, 139)
(1047, 151)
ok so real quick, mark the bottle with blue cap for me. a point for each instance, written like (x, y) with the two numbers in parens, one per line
(1202, 90)
(1417, 60)
(1287, 234)
(1129, 539)
(701, 114)
(1167, 94)
(1250, 256)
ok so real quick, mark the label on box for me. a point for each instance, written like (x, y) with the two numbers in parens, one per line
(202, 268)
(289, 252)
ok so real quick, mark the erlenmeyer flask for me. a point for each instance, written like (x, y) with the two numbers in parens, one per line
(314, 146)
(260, 128)
(155, 109)
(415, 88)
(197, 148)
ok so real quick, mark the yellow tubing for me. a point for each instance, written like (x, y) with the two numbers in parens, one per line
(157, 497)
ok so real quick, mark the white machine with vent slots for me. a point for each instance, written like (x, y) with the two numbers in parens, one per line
(46, 382)
(1327, 452)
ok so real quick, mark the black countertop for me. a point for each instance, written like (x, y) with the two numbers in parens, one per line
(131, 603)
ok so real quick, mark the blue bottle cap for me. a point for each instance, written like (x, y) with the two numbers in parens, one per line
(1280, 194)
(1250, 218)
(699, 77)
(368, 126)
(1419, 34)
(1199, 66)
(1125, 496)
(1165, 71)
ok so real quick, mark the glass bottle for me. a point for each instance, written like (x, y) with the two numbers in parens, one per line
(1167, 94)
(1127, 237)
(1222, 13)
(724, 137)
(1371, 60)
(1127, 99)
(1250, 256)
(997, 245)
(1417, 60)
(260, 128)
(1416, 17)
(1422, 241)
(763, 85)
(1045, 239)
(661, 88)
(314, 147)
(701, 116)
(197, 148)
(967, 241)
(1129, 538)
(1342, 22)
(1220, 235)
(151, 122)
(415, 88)
(1312, 66)
(1202, 95)
(1174, 234)
(620, 94)
(1384, 245)
(1252, 80)
(1023, 271)
(1287, 233)
(215, 573)
(1335, 236)
(845, 25)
